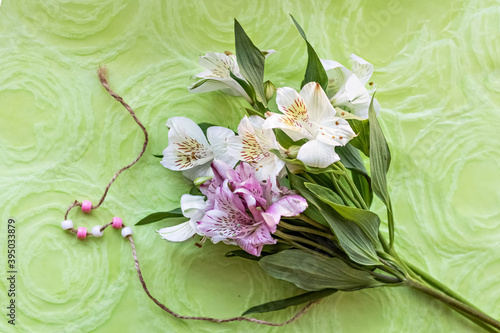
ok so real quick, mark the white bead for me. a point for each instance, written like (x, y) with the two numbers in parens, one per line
(127, 231)
(67, 224)
(96, 231)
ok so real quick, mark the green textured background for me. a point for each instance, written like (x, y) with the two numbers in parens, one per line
(62, 138)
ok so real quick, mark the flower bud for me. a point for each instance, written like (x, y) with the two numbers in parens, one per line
(293, 151)
(269, 90)
(200, 180)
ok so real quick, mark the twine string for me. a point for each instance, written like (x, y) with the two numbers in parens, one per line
(102, 72)
(213, 320)
(104, 81)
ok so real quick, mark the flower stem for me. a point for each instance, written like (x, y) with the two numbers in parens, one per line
(307, 230)
(338, 189)
(426, 278)
(384, 278)
(353, 187)
(313, 223)
(348, 193)
(462, 307)
(299, 246)
(438, 285)
(422, 278)
(305, 241)
(309, 178)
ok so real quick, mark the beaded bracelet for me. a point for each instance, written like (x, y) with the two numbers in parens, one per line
(97, 231)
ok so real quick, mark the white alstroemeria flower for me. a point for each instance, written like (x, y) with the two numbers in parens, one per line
(189, 151)
(311, 116)
(252, 145)
(347, 88)
(218, 77)
(193, 208)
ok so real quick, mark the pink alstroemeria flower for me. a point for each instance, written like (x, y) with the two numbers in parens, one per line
(243, 211)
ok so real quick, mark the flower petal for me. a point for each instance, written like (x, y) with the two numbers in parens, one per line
(241, 174)
(294, 130)
(318, 105)
(361, 68)
(269, 168)
(245, 146)
(251, 202)
(176, 160)
(267, 53)
(198, 171)
(330, 64)
(177, 233)
(353, 95)
(219, 138)
(254, 241)
(317, 154)
(182, 127)
(219, 64)
(221, 226)
(337, 76)
(226, 85)
(230, 202)
(291, 104)
(290, 205)
(337, 131)
(191, 203)
(187, 145)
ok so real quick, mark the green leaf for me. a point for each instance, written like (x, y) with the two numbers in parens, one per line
(362, 183)
(350, 157)
(195, 190)
(291, 301)
(297, 183)
(313, 212)
(353, 240)
(368, 221)
(159, 156)
(362, 129)
(155, 217)
(252, 112)
(380, 159)
(244, 84)
(250, 60)
(266, 251)
(315, 272)
(365, 219)
(352, 160)
(315, 72)
(204, 126)
(242, 254)
(324, 192)
(284, 140)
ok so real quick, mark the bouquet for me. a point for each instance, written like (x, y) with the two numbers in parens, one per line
(291, 188)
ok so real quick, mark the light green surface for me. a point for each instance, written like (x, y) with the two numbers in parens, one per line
(62, 138)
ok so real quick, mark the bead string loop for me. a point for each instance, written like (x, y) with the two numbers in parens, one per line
(126, 232)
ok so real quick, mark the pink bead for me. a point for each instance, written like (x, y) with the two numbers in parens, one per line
(86, 206)
(117, 222)
(82, 233)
